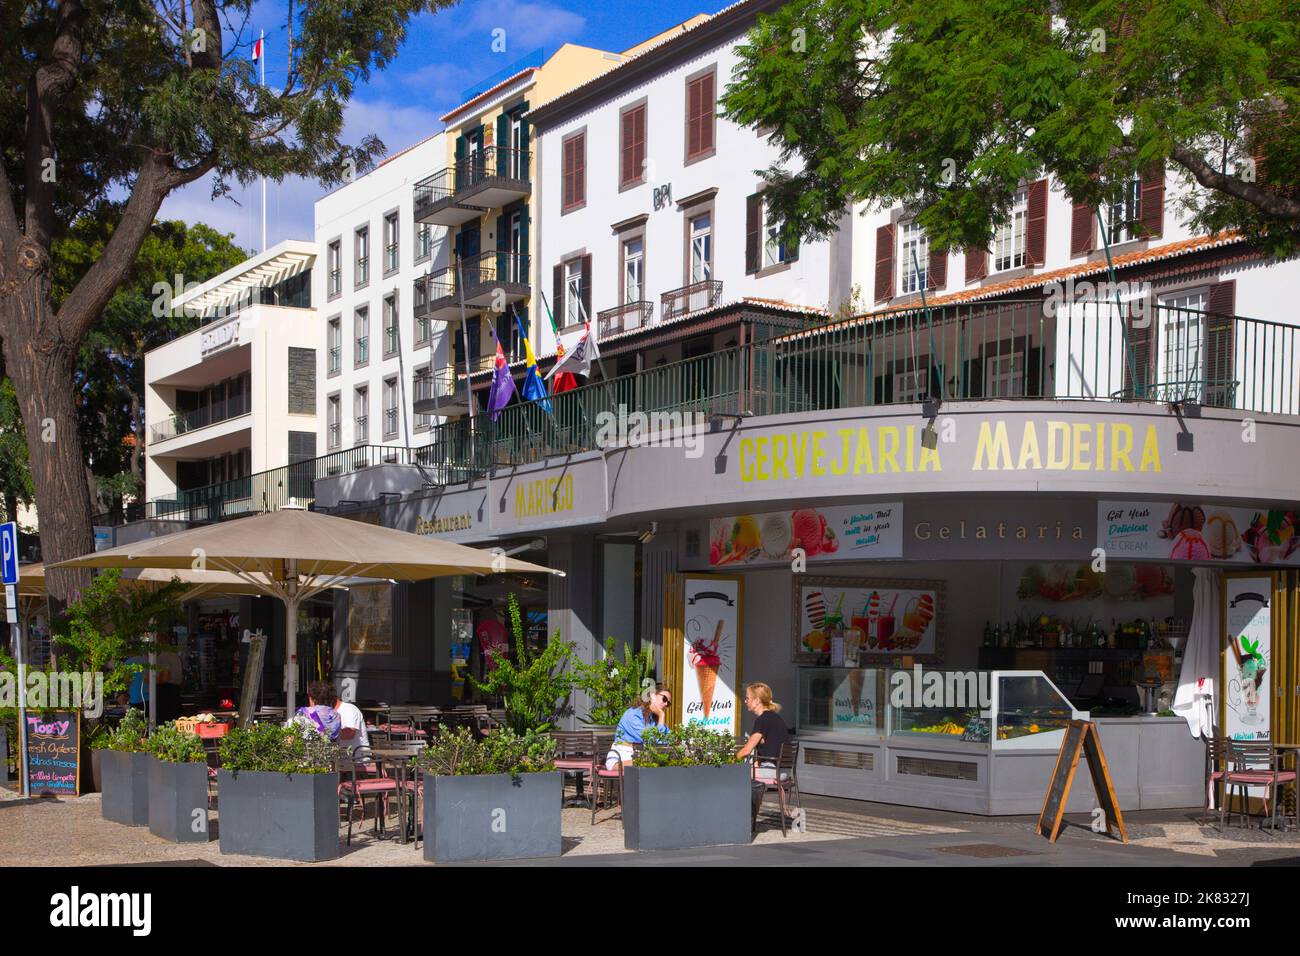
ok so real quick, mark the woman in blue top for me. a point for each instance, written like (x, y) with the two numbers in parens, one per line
(635, 721)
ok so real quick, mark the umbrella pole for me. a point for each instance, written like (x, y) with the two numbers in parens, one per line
(153, 681)
(291, 640)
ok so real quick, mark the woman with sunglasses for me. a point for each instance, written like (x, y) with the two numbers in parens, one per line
(651, 712)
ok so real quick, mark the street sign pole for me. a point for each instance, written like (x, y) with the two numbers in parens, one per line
(9, 574)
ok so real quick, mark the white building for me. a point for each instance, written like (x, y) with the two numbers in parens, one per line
(376, 359)
(238, 395)
(651, 206)
(1178, 289)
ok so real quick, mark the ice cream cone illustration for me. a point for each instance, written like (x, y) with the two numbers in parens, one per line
(855, 688)
(706, 661)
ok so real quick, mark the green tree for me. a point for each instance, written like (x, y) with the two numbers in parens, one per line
(947, 105)
(104, 97)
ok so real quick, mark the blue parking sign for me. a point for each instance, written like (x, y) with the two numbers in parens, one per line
(9, 552)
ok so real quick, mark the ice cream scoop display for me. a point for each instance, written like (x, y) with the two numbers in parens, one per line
(879, 618)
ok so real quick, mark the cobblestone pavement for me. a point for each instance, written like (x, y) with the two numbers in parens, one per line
(905, 835)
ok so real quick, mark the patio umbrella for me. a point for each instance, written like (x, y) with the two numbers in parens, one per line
(1194, 699)
(293, 554)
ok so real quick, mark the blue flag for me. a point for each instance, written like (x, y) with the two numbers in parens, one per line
(534, 387)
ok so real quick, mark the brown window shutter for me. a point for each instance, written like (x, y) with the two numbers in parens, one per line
(885, 263)
(977, 264)
(625, 149)
(706, 113)
(638, 150)
(557, 295)
(937, 271)
(566, 175)
(1220, 370)
(586, 286)
(1082, 230)
(1141, 339)
(753, 225)
(693, 109)
(1153, 202)
(580, 168)
(1036, 225)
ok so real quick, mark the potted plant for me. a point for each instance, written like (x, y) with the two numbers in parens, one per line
(178, 786)
(124, 771)
(277, 793)
(614, 685)
(492, 799)
(534, 688)
(687, 788)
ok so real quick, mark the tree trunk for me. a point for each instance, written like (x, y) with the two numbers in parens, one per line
(42, 373)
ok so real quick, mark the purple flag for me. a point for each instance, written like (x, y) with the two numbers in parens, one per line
(503, 383)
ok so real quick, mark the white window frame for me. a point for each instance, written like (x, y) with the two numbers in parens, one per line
(333, 417)
(390, 407)
(1010, 239)
(775, 251)
(334, 354)
(1004, 374)
(392, 247)
(1181, 343)
(1122, 219)
(910, 280)
(361, 259)
(633, 270)
(912, 384)
(361, 415)
(573, 293)
(361, 335)
(702, 247)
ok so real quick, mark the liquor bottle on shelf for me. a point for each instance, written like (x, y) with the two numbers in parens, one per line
(1112, 640)
(988, 635)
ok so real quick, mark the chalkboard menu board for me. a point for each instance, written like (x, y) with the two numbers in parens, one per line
(1081, 740)
(54, 754)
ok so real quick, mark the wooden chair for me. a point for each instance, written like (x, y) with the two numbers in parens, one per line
(785, 782)
(1257, 765)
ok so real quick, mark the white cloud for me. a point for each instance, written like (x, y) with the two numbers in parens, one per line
(527, 25)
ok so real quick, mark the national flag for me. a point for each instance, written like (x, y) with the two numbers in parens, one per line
(575, 358)
(257, 49)
(564, 381)
(503, 383)
(534, 388)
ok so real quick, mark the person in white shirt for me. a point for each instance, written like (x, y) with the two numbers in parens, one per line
(352, 729)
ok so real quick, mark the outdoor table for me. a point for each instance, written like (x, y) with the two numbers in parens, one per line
(1291, 752)
(399, 760)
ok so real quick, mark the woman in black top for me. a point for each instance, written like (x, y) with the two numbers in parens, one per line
(769, 731)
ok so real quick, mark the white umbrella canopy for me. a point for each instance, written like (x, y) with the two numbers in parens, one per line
(293, 554)
(1194, 700)
(31, 581)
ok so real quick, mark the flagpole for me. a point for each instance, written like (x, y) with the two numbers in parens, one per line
(464, 338)
(261, 46)
(554, 328)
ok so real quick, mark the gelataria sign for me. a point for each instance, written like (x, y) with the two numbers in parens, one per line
(1021, 446)
(222, 337)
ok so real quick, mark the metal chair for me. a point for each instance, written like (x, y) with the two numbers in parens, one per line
(602, 778)
(369, 784)
(785, 782)
(1257, 765)
(574, 750)
(1217, 753)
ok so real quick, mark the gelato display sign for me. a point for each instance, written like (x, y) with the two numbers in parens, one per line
(854, 704)
(1248, 657)
(1192, 531)
(854, 533)
(710, 654)
(848, 622)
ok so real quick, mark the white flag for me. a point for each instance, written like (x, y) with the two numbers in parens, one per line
(576, 354)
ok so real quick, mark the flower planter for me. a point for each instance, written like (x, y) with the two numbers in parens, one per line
(492, 817)
(279, 815)
(125, 794)
(669, 807)
(178, 801)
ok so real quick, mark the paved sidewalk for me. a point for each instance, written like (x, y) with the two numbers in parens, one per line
(838, 833)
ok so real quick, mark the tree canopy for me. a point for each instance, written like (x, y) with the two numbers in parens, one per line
(948, 105)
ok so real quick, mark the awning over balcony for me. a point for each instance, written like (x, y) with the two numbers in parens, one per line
(271, 267)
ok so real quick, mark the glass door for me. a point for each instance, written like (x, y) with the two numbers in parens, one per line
(1181, 348)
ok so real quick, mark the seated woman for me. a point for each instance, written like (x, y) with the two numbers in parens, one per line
(319, 714)
(634, 723)
(769, 732)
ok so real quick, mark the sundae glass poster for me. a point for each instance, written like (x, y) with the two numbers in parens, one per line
(845, 625)
(1248, 657)
(1189, 531)
(844, 533)
(710, 651)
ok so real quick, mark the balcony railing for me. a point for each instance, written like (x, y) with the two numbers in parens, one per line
(390, 257)
(390, 422)
(362, 274)
(335, 358)
(182, 422)
(363, 350)
(390, 340)
(690, 298)
(361, 429)
(335, 282)
(492, 268)
(484, 179)
(1009, 350)
(624, 318)
(333, 435)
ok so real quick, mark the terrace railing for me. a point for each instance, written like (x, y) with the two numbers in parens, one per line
(181, 422)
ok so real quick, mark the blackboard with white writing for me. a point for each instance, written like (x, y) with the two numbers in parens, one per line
(54, 754)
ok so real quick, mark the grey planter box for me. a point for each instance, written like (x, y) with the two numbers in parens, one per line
(669, 807)
(492, 817)
(178, 801)
(125, 779)
(279, 815)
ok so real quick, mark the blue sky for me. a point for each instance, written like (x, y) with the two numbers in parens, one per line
(444, 53)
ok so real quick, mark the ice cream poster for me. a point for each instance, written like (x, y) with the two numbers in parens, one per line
(711, 640)
(1247, 657)
(849, 621)
(1192, 531)
(854, 533)
(854, 703)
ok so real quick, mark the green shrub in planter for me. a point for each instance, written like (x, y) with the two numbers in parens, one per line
(124, 771)
(178, 786)
(278, 793)
(687, 788)
(493, 799)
